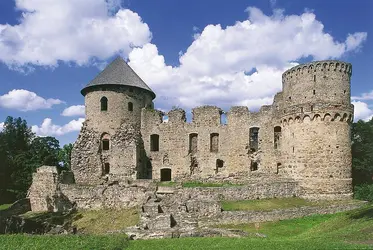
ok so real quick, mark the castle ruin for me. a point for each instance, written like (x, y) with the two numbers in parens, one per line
(298, 146)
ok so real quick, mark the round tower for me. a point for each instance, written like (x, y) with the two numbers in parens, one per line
(116, 96)
(316, 117)
(109, 145)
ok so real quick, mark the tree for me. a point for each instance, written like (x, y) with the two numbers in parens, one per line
(45, 151)
(16, 172)
(21, 153)
(362, 152)
(64, 155)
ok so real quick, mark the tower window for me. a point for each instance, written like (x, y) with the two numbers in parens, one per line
(311, 107)
(130, 106)
(314, 92)
(103, 104)
(314, 78)
(106, 168)
(154, 142)
(105, 144)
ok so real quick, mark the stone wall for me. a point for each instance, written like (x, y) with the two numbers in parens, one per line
(241, 217)
(232, 156)
(108, 196)
(43, 188)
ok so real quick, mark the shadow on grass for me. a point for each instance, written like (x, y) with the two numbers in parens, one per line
(366, 213)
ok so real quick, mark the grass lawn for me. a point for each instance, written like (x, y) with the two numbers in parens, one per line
(193, 184)
(102, 221)
(271, 204)
(4, 206)
(68, 242)
(347, 230)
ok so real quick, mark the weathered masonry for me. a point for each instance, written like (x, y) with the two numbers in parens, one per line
(304, 136)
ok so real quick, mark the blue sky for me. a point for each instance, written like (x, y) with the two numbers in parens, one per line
(189, 52)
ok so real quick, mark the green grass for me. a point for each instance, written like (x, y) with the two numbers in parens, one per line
(102, 221)
(347, 230)
(271, 204)
(208, 184)
(68, 242)
(4, 206)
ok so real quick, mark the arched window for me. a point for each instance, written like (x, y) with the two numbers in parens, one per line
(130, 106)
(214, 142)
(254, 138)
(105, 142)
(154, 142)
(103, 104)
(277, 137)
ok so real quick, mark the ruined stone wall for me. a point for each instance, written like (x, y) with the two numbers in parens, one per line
(232, 157)
(43, 189)
(107, 196)
(316, 117)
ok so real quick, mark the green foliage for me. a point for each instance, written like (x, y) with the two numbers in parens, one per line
(362, 152)
(21, 152)
(364, 192)
(5, 206)
(64, 155)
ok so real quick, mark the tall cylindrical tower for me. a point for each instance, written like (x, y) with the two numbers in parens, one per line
(315, 120)
(109, 143)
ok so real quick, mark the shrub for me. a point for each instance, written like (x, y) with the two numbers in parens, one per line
(364, 192)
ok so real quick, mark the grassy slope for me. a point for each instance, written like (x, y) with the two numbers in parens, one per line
(25, 242)
(102, 221)
(349, 230)
(270, 204)
(346, 230)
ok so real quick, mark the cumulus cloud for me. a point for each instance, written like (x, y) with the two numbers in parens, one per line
(75, 110)
(47, 128)
(362, 111)
(25, 100)
(240, 64)
(364, 96)
(70, 31)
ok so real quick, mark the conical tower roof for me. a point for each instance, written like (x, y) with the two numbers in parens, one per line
(118, 72)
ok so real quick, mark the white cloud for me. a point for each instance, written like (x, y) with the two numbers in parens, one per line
(47, 128)
(69, 31)
(364, 96)
(213, 70)
(25, 100)
(362, 111)
(1, 126)
(75, 110)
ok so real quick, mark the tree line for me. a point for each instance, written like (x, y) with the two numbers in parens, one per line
(22, 152)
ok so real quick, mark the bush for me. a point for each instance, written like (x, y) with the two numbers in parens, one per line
(364, 192)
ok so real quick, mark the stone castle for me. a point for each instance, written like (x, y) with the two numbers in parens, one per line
(298, 146)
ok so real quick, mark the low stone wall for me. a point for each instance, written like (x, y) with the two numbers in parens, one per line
(238, 217)
(105, 196)
(259, 190)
